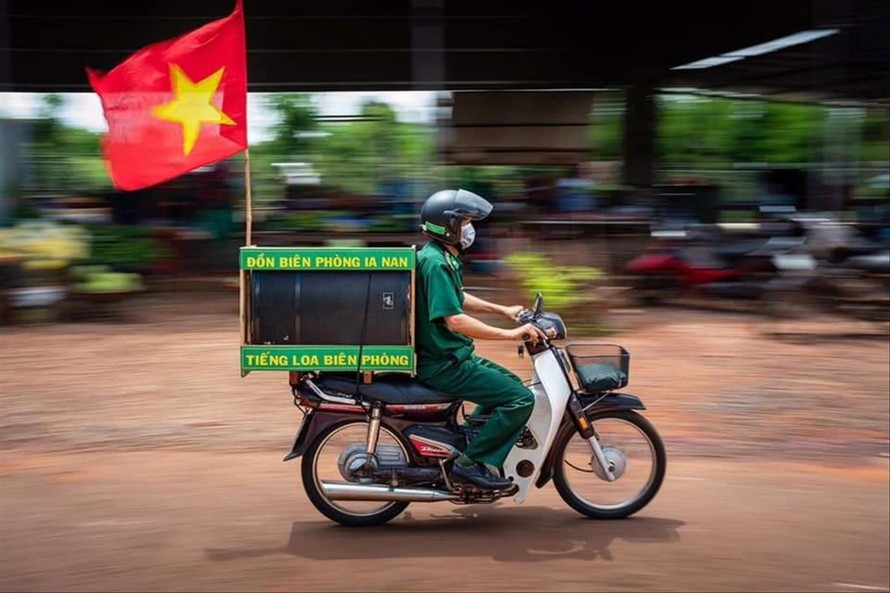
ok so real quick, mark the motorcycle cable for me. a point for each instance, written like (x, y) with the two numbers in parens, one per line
(361, 342)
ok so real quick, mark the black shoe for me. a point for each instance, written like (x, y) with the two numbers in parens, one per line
(479, 475)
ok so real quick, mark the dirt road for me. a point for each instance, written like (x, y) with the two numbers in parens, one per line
(134, 457)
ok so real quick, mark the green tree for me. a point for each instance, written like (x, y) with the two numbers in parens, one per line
(876, 136)
(297, 118)
(791, 133)
(380, 131)
(361, 155)
(606, 130)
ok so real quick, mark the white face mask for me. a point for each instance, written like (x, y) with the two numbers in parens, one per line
(467, 236)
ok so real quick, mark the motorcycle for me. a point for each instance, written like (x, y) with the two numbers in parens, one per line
(369, 450)
(685, 262)
(834, 270)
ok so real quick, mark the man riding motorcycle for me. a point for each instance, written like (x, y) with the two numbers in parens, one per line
(445, 332)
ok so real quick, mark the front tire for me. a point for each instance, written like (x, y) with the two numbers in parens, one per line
(611, 511)
(328, 508)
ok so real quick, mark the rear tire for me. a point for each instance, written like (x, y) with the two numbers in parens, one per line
(324, 506)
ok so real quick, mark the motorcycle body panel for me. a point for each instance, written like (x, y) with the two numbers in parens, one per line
(552, 389)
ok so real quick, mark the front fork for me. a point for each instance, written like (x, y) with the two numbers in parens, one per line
(586, 430)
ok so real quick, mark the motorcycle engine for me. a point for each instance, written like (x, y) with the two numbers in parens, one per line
(354, 460)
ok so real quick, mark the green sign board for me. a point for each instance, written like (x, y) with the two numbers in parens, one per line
(326, 358)
(327, 258)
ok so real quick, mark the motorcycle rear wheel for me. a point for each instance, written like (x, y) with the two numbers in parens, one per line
(340, 513)
(569, 488)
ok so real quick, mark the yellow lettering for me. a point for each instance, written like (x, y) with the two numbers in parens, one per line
(309, 360)
(371, 262)
(372, 359)
(395, 262)
(261, 261)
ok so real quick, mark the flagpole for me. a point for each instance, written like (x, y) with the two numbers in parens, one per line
(248, 222)
(249, 217)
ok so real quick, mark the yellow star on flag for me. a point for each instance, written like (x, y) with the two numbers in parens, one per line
(192, 105)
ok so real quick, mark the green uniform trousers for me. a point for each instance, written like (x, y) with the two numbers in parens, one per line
(495, 390)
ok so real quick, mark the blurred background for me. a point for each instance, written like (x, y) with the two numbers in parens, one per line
(653, 157)
(730, 177)
(707, 185)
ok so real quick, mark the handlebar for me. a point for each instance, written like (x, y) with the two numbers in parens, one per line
(550, 325)
(530, 317)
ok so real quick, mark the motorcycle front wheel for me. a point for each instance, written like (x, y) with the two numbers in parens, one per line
(634, 448)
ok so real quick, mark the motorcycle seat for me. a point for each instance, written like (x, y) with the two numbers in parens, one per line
(393, 389)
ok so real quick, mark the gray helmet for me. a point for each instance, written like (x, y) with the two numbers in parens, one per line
(442, 213)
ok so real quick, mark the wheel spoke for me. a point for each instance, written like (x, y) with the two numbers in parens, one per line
(637, 459)
(326, 466)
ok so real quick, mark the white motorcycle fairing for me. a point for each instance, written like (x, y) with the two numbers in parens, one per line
(552, 390)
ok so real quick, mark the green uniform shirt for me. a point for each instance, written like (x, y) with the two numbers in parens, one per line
(439, 294)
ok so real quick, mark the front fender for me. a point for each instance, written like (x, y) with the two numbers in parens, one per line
(607, 403)
(611, 401)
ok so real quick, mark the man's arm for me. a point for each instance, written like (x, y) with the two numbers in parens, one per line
(473, 328)
(477, 305)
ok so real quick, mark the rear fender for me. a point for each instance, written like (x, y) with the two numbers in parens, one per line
(314, 423)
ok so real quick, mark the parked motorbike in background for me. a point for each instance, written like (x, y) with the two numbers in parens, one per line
(700, 260)
(834, 270)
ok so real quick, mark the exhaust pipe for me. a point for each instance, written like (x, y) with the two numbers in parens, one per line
(373, 492)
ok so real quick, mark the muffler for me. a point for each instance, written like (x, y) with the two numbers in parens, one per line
(373, 492)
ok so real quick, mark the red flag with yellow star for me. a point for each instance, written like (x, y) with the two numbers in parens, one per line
(176, 105)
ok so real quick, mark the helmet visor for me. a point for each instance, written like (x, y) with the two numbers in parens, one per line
(469, 205)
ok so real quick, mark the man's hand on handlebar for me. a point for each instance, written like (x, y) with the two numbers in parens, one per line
(527, 330)
(527, 333)
(513, 312)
